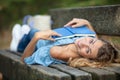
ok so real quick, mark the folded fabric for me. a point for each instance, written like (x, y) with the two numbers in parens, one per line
(68, 32)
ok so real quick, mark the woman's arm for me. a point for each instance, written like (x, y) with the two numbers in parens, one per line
(46, 35)
(29, 49)
(79, 22)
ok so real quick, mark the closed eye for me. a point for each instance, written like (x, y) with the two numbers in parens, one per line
(91, 41)
(88, 50)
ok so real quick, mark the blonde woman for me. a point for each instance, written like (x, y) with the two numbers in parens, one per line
(39, 47)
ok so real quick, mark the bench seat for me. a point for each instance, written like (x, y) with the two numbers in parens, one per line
(14, 69)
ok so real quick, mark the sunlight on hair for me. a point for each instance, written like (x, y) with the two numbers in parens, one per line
(82, 62)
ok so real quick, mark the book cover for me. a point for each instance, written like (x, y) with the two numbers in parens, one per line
(67, 32)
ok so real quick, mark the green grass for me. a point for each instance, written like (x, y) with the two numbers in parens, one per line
(83, 3)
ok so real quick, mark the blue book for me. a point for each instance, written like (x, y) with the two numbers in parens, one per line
(68, 32)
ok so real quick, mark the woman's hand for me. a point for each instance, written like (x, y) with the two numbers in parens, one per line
(75, 22)
(46, 35)
(79, 22)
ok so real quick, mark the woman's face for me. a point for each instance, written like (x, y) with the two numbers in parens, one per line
(88, 47)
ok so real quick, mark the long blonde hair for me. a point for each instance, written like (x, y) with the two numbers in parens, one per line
(107, 54)
(83, 62)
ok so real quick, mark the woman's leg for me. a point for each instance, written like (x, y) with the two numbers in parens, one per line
(25, 40)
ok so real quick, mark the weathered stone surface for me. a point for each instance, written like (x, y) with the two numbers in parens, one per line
(75, 73)
(115, 69)
(105, 19)
(14, 69)
(100, 74)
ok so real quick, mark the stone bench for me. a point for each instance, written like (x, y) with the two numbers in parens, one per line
(103, 18)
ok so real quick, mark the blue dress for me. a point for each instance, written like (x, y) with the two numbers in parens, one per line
(42, 55)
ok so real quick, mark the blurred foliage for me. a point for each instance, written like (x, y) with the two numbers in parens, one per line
(13, 11)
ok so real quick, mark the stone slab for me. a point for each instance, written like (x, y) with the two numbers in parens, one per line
(115, 69)
(14, 69)
(74, 72)
(100, 74)
(105, 19)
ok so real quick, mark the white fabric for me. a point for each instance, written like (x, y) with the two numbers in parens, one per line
(25, 29)
(17, 33)
(16, 36)
(41, 22)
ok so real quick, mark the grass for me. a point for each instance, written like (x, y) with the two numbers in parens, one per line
(84, 3)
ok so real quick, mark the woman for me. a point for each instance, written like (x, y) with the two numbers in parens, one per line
(43, 49)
